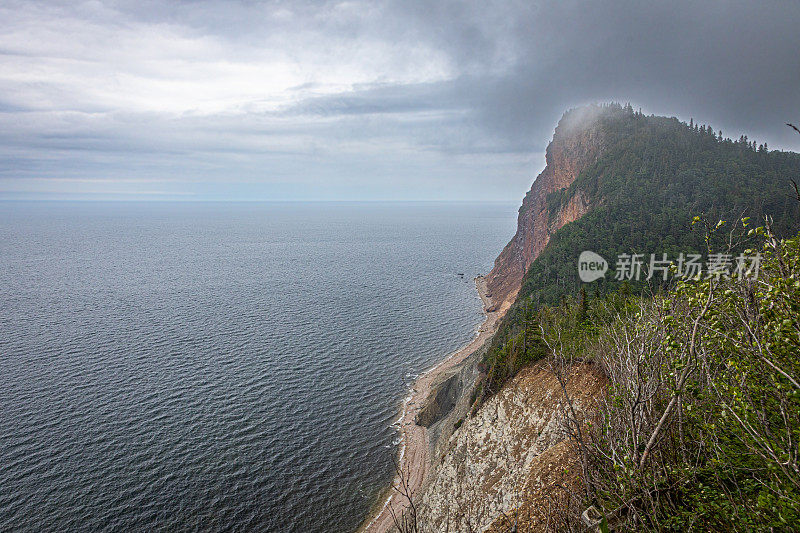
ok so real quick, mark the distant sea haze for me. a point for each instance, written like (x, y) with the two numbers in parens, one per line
(221, 366)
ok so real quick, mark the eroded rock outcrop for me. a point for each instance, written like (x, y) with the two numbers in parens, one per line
(577, 143)
(510, 455)
(449, 403)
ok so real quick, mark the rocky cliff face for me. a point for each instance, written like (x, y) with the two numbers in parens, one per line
(452, 396)
(511, 458)
(577, 143)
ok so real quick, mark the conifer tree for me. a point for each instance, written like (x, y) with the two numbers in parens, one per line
(583, 305)
(534, 346)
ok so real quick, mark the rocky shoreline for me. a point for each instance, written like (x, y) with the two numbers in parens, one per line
(438, 399)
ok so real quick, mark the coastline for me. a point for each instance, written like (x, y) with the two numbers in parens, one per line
(412, 456)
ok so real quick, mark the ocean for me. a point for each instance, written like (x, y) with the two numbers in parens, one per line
(221, 366)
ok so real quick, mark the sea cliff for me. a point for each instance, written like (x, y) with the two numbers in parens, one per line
(465, 463)
(517, 433)
(510, 457)
(576, 144)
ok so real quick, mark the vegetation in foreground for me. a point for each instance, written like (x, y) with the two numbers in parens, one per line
(700, 427)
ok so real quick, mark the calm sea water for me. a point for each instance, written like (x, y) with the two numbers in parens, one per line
(221, 367)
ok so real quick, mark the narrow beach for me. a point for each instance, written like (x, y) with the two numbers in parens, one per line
(413, 453)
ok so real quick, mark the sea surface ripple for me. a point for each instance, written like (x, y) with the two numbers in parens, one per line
(221, 367)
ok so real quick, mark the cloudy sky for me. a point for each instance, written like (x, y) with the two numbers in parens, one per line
(366, 100)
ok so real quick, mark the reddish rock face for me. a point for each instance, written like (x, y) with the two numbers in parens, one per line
(577, 143)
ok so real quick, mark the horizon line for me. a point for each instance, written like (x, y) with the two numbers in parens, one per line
(242, 201)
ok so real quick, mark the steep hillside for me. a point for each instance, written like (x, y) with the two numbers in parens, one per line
(513, 448)
(619, 182)
(638, 378)
(637, 182)
(577, 143)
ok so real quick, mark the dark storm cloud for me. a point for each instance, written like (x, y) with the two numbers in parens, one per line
(733, 65)
(371, 95)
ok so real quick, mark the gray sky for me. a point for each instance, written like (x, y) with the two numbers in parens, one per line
(364, 100)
